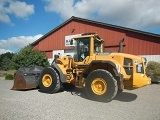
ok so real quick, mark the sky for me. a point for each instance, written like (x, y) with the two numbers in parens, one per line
(24, 21)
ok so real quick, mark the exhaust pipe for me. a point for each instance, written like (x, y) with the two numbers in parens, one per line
(121, 46)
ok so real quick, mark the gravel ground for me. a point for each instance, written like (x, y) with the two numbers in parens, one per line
(139, 104)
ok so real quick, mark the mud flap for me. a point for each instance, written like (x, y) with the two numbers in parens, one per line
(27, 78)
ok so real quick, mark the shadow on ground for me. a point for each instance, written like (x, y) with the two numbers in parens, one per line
(24, 90)
(126, 97)
(123, 96)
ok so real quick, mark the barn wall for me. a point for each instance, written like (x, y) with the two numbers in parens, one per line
(134, 43)
(140, 44)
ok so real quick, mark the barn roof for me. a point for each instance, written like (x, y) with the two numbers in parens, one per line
(95, 22)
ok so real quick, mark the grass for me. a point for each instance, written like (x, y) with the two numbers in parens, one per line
(4, 73)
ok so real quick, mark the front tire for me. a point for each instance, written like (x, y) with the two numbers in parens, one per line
(49, 81)
(101, 86)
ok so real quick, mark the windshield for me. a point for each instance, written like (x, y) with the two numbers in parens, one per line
(81, 50)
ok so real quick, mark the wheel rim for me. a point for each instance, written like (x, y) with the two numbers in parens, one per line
(47, 80)
(99, 86)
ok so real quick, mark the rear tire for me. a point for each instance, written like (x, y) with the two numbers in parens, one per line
(49, 81)
(101, 86)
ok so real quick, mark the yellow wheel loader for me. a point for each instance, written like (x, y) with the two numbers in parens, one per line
(102, 74)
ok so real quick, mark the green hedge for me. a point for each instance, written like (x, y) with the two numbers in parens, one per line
(9, 77)
(153, 70)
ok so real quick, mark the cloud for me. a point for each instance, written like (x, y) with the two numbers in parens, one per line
(5, 51)
(16, 43)
(17, 8)
(21, 9)
(129, 13)
(4, 18)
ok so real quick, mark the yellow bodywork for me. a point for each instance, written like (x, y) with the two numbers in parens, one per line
(131, 67)
(131, 81)
(137, 78)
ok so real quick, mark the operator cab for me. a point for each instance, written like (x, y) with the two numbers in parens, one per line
(86, 45)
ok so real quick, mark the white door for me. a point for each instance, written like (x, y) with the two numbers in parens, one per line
(58, 52)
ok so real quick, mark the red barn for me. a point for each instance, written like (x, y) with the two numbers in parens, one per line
(135, 42)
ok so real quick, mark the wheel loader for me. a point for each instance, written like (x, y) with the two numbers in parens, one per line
(102, 74)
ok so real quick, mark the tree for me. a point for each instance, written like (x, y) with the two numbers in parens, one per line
(5, 64)
(28, 57)
(5, 60)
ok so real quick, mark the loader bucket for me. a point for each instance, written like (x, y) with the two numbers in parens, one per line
(27, 78)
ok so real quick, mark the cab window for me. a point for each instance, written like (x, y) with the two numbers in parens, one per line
(128, 66)
(97, 46)
(139, 68)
